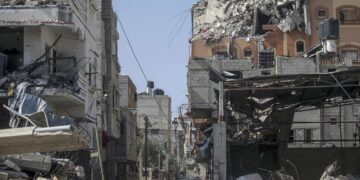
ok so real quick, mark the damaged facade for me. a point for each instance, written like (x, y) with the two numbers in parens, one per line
(58, 63)
(241, 39)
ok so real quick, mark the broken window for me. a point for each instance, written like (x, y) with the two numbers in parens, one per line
(220, 52)
(348, 15)
(11, 48)
(300, 46)
(350, 54)
(321, 13)
(220, 55)
(247, 52)
(265, 73)
(333, 121)
(307, 135)
(292, 136)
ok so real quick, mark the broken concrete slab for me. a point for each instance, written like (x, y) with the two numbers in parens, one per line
(12, 165)
(33, 139)
(31, 162)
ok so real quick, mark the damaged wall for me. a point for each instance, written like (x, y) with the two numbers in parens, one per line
(284, 44)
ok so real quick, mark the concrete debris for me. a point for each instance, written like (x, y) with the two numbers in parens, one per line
(31, 162)
(37, 166)
(215, 19)
(332, 169)
(12, 165)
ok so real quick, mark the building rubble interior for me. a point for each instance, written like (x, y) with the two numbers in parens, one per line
(256, 97)
(46, 138)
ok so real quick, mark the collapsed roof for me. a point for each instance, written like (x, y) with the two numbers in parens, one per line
(214, 19)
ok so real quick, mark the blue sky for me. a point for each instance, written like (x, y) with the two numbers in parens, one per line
(159, 31)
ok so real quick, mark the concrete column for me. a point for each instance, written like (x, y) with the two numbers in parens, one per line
(219, 135)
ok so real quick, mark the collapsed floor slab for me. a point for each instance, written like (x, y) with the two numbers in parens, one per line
(33, 139)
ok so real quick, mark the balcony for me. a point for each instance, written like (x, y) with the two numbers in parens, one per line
(35, 15)
(64, 87)
(55, 15)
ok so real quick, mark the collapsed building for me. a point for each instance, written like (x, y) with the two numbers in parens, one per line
(59, 89)
(255, 65)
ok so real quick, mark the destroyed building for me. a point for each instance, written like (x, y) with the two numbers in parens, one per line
(60, 89)
(259, 40)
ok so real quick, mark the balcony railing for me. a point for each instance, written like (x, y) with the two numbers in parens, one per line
(35, 15)
(353, 21)
(331, 61)
(63, 73)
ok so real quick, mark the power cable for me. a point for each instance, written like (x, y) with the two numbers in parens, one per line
(145, 77)
(139, 65)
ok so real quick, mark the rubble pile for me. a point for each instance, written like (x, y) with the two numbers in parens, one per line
(214, 19)
(38, 166)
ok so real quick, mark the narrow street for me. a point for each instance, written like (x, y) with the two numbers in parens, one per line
(179, 90)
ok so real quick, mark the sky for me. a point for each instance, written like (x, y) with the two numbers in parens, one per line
(159, 31)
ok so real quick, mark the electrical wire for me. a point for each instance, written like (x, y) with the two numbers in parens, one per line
(145, 77)
(140, 67)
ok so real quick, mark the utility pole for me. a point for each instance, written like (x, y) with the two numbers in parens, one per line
(146, 121)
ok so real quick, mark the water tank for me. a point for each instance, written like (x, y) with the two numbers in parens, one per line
(330, 46)
(158, 92)
(329, 29)
(150, 84)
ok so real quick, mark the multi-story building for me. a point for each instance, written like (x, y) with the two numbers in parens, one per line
(243, 39)
(59, 58)
(157, 107)
(157, 110)
(127, 145)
